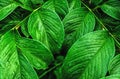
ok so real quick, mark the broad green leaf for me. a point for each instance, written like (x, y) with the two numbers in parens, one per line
(60, 6)
(89, 56)
(27, 71)
(77, 23)
(112, 8)
(13, 65)
(36, 53)
(45, 26)
(116, 76)
(19, 55)
(6, 8)
(114, 67)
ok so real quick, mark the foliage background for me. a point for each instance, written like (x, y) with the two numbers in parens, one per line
(59, 39)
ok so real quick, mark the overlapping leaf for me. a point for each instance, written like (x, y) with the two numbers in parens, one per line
(26, 4)
(77, 23)
(36, 53)
(26, 70)
(74, 4)
(13, 65)
(89, 56)
(19, 56)
(24, 28)
(114, 67)
(112, 8)
(96, 2)
(60, 6)
(7, 7)
(116, 33)
(45, 26)
(37, 1)
(116, 76)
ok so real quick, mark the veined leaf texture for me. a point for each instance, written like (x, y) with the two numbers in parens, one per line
(59, 39)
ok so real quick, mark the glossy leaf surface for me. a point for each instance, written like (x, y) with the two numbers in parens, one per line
(89, 56)
(77, 23)
(45, 26)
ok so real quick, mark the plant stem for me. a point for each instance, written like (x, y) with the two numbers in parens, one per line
(43, 74)
(18, 25)
(117, 43)
(96, 7)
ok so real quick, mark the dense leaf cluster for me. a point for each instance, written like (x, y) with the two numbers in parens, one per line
(59, 39)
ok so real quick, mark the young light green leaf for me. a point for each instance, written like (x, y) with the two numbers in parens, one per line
(112, 8)
(12, 65)
(36, 53)
(77, 23)
(89, 56)
(115, 76)
(6, 8)
(45, 26)
(114, 67)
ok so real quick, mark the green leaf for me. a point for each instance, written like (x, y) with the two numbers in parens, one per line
(45, 26)
(19, 55)
(96, 2)
(109, 21)
(36, 53)
(7, 25)
(112, 8)
(89, 56)
(116, 33)
(13, 65)
(77, 23)
(58, 73)
(6, 8)
(26, 69)
(60, 6)
(25, 4)
(37, 1)
(116, 76)
(73, 4)
(49, 5)
(24, 28)
(114, 67)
